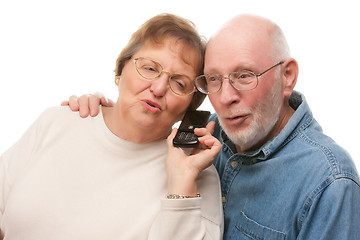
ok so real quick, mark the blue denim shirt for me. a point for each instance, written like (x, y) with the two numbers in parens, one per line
(299, 185)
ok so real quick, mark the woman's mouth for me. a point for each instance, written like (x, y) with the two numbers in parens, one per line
(151, 106)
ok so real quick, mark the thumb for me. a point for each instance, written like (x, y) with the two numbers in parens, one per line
(171, 137)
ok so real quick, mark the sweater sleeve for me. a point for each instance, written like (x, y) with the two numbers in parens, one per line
(14, 161)
(192, 218)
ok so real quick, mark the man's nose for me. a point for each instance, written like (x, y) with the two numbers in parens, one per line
(228, 93)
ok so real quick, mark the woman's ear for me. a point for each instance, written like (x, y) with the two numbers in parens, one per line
(117, 80)
(289, 75)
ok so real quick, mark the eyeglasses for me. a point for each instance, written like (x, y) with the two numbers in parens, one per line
(243, 80)
(151, 70)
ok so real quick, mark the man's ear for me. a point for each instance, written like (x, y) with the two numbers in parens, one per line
(289, 74)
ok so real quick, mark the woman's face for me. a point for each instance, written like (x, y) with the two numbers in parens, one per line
(151, 104)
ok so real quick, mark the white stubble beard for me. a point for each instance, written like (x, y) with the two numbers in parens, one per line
(266, 114)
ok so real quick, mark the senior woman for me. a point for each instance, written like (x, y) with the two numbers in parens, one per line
(115, 176)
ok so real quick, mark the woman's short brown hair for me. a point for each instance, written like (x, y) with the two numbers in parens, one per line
(156, 29)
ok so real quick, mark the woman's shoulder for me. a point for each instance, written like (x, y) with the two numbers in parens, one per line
(59, 114)
(57, 119)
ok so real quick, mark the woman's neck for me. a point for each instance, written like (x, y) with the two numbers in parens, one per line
(128, 130)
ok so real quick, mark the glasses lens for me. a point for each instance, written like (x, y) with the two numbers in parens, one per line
(208, 83)
(243, 80)
(148, 68)
(181, 85)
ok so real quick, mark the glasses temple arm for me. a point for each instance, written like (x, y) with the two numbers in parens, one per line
(270, 68)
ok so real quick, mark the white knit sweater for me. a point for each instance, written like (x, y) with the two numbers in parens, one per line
(71, 178)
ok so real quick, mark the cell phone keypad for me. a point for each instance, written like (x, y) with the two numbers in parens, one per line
(188, 136)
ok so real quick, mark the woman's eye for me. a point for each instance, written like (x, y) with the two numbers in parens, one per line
(180, 84)
(150, 69)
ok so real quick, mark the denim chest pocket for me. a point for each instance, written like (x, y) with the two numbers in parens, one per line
(247, 228)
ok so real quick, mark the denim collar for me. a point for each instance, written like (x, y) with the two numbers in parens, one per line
(300, 120)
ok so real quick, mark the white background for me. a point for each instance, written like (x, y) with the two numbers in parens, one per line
(50, 50)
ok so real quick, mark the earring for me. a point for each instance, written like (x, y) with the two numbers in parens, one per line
(117, 81)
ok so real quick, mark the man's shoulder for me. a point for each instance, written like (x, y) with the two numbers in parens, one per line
(327, 152)
(213, 117)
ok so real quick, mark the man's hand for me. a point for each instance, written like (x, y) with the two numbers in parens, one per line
(88, 104)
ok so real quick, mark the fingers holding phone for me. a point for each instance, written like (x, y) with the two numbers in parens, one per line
(205, 138)
(185, 136)
(184, 168)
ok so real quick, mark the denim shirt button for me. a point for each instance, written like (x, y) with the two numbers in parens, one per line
(234, 164)
(254, 160)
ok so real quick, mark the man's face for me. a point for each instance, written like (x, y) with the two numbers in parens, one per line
(248, 117)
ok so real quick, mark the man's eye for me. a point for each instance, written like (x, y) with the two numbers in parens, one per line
(212, 78)
(244, 75)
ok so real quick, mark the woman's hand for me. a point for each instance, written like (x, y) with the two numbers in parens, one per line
(183, 169)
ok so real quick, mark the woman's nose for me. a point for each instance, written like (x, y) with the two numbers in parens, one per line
(160, 86)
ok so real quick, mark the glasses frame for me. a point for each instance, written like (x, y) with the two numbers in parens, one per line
(161, 72)
(232, 82)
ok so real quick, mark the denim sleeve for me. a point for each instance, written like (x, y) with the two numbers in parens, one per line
(333, 212)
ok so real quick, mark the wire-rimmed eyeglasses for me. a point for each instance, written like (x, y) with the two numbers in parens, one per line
(243, 80)
(151, 70)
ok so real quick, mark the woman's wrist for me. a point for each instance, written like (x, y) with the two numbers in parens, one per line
(178, 196)
(182, 185)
